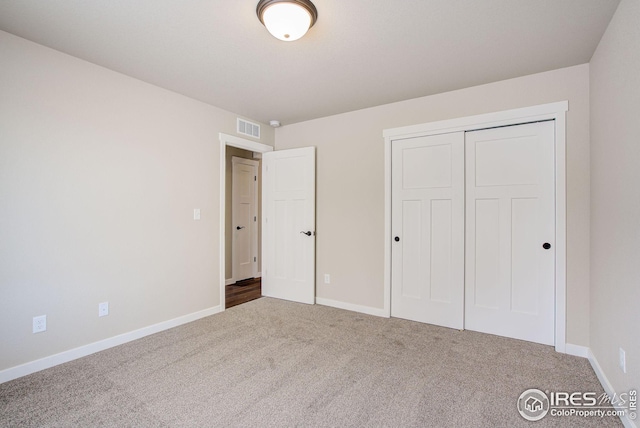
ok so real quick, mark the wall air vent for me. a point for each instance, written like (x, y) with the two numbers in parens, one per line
(248, 128)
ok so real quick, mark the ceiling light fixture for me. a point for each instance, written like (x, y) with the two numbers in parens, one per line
(287, 20)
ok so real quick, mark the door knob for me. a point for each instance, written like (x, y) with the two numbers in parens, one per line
(546, 245)
(239, 227)
(397, 239)
(308, 232)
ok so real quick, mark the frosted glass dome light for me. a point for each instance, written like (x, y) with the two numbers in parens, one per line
(287, 20)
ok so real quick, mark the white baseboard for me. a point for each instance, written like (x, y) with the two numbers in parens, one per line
(82, 351)
(351, 307)
(230, 281)
(576, 350)
(628, 423)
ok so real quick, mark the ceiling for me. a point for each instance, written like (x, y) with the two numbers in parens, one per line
(360, 53)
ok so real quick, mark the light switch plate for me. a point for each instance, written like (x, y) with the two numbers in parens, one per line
(196, 213)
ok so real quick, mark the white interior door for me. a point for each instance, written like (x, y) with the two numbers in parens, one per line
(289, 224)
(510, 222)
(428, 229)
(244, 214)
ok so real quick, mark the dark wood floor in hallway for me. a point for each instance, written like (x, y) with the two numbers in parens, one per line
(243, 291)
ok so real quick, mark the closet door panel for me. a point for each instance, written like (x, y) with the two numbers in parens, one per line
(428, 229)
(510, 216)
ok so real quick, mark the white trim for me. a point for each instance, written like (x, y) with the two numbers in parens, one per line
(230, 281)
(576, 350)
(351, 307)
(561, 230)
(82, 351)
(500, 118)
(556, 111)
(608, 388)
(387, 228)
(242, 143)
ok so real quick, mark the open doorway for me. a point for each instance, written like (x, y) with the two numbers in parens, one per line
(243, 188)
(240, 274)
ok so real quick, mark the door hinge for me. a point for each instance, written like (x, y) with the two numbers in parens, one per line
(255, 259)
(254, 218)
(255, 178)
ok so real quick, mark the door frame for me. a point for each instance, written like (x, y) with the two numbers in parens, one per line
(553, 111)
(242, 143)
(235, 160)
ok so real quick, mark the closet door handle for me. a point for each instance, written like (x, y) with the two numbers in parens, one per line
(546, 245)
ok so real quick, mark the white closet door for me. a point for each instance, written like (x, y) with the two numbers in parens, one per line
(428, 229)
(510, 222)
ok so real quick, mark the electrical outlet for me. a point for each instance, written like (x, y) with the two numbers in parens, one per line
(623, 361)
(196, 213)
(327, 278)
(103, 309)
(40, 324)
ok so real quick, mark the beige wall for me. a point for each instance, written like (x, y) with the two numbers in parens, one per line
(230, 153)
(99, 176)
(350, 182)
(615, 200)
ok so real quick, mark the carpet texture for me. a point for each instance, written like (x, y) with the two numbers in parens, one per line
(272, 363)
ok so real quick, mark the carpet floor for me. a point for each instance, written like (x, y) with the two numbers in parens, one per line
(272, 363)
